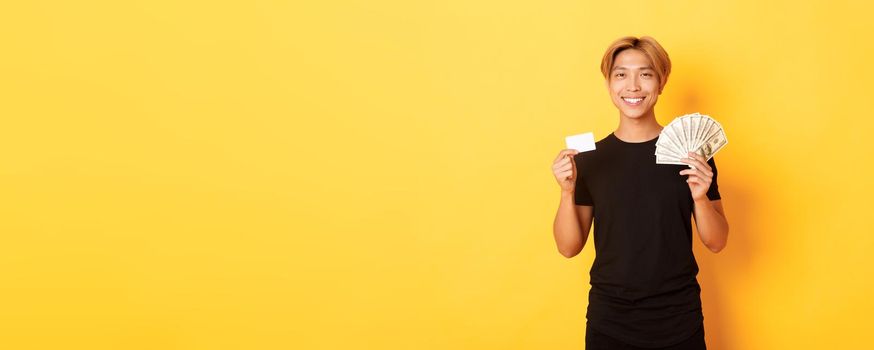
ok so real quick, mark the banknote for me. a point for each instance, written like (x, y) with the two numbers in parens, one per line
(694, 132)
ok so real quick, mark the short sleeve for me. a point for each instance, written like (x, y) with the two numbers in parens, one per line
(713, 191)
(581, 192)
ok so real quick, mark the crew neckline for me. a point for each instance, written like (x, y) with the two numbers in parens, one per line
(613, 134)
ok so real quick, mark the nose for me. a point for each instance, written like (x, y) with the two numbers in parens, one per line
(633, 84)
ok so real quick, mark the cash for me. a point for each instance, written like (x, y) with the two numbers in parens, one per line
(693, 132)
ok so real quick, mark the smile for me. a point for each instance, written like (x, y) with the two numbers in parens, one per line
(633, 101)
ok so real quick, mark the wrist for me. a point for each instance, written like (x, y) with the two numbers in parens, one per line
(703, 201)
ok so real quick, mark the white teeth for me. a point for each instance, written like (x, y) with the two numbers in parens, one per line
(632, 100)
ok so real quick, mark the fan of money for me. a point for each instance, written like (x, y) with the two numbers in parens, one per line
(694, 132)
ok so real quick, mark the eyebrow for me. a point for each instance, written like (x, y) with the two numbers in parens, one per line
(641, 68)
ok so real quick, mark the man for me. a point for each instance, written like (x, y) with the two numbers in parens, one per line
(644, 293)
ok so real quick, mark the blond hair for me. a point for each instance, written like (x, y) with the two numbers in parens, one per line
(649, 46)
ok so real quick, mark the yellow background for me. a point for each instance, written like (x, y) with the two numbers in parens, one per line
(376, 175)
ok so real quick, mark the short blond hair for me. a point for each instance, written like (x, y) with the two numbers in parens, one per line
(646, 44)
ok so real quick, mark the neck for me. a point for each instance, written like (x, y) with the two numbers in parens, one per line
(640, 129)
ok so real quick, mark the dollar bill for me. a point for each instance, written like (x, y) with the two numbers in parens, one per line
(692, 132)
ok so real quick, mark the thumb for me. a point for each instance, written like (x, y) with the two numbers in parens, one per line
(573, 165)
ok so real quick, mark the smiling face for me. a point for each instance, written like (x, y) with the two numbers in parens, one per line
(633, 84)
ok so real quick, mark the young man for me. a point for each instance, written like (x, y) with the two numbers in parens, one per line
(644, 293)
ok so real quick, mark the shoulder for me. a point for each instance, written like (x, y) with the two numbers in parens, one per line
(602, 145)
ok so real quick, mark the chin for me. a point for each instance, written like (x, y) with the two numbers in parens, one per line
(634, 114)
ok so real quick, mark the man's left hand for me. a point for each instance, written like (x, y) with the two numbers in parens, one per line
(700, 176)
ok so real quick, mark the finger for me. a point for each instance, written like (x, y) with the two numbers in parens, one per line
(566, 167)
(565, 175)
(698, 180)
(574, 165)
(693, 178)
(701, 160)
(696, 172)
(561, 163)
(697, 165)
(565, 152)
(691, 161)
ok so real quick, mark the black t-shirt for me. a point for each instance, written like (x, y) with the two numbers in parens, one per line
(644, 286)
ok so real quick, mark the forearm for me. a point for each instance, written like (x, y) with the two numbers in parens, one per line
(566, 228)
(712, 226)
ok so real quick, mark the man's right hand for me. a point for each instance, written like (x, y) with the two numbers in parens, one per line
(565, 169)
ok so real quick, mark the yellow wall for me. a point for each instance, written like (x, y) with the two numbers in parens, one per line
(376, 175)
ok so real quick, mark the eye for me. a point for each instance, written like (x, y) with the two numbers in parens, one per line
(619, 74)
(647, 74)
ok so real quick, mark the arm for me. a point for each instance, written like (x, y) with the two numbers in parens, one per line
(709, 215)
(571, 226)
(572, 222)
(711, 223)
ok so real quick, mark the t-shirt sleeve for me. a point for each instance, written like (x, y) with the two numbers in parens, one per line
(581, 192)
(713, 192)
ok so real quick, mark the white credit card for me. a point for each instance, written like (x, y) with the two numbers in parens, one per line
(581, 142)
